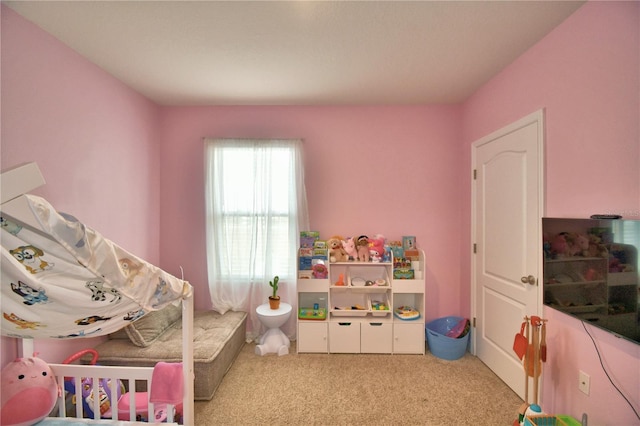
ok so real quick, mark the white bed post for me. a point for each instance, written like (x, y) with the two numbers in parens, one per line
(20, 180)
(26, 348)
(15, 182)
(187, 361)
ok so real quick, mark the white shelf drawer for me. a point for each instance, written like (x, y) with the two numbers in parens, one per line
(344, 337)
(376, 337)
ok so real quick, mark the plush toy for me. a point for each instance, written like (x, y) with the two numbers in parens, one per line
(349, 246)
(29, 392)
(596, 248)
(546, 247)
(336, 252)
(319, 271)
(376, 248)
(578, 244)
(362, 245)
(582, 243)
(559, 246)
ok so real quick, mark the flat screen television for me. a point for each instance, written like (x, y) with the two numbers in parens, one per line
(591, 272)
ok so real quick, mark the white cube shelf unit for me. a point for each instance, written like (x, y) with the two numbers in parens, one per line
(358, 316)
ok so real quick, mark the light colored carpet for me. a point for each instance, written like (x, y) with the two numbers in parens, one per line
(358, 389)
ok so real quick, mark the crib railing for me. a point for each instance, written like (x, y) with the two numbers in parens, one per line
(139, 406)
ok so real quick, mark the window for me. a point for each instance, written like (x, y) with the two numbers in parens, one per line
(255, 209)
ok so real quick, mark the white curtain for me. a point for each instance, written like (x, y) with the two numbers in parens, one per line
(256, 205)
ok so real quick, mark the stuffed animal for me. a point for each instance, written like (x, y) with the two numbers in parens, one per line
(376, 249)
(362, 245)
(596, 248)
(559, 246)
(336, 252)
(582, 242)
(578, 244)
(29, 392)
(349, 246)
(546, 247)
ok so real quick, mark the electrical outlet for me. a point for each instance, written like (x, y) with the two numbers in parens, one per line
(583, 383)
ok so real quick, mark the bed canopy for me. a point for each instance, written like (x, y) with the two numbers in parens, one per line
(62, 279)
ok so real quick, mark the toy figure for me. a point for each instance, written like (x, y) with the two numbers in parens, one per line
(376, 249)
(349, 246)
(362, 244)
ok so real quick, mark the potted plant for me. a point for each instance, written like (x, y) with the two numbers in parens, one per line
(274, 300)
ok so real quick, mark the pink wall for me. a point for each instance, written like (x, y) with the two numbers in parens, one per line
(389, 170)
(97, 140)
(586, 75)
(94, 139)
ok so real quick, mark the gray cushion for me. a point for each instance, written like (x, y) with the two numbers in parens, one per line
(147, 329)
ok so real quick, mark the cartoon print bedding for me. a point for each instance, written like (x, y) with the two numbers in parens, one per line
(66, 280)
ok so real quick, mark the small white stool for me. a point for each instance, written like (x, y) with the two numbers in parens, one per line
(274, 340)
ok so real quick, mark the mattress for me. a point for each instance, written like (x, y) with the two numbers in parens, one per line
(217, 340)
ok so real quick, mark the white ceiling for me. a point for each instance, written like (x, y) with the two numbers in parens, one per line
(299, 52)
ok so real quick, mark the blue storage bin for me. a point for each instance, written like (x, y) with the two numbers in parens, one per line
(440, 344)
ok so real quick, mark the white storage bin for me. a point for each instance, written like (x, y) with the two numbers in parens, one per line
(345, 304)
(379, 304)
(375, 274)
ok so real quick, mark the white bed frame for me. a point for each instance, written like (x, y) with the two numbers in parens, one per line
(25, 178)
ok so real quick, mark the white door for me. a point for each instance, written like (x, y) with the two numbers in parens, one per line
(506, 233)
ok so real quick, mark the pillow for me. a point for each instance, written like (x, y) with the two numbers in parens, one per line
(147, 329)
(119, 335)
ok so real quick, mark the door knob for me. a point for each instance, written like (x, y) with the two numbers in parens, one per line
(529, 280)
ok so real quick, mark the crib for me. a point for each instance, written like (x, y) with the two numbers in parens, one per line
(31, 293)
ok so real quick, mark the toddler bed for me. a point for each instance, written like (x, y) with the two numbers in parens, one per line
(61, 279)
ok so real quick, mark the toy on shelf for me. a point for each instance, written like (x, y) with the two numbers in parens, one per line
(396, 248)
(308, 238)
(319, 271)
(376, 248)
(402, 269)
(349, 246)
(355, 307)
(406, 313)
(362, 244)
(380, 282)
(336, 251)
(378, 305)
(315, 313)
(409, 242)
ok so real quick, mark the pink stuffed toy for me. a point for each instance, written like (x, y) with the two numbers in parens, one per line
(580, 245)
(349, 246)
(29, 392)
(376, 249)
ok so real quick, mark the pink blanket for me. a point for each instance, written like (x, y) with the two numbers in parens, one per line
(166, 383)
